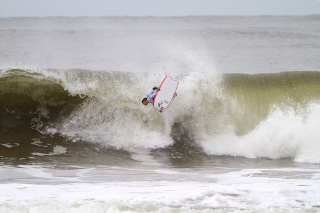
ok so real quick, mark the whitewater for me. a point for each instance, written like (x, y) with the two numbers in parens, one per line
(241, 136)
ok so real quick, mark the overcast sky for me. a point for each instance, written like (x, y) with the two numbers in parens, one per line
(36, 8)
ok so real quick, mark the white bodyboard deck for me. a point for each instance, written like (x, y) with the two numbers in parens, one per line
(164, 97)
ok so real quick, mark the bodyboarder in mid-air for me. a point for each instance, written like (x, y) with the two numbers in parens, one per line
(150, 96)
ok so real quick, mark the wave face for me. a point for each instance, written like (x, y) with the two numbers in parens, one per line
(255, 116)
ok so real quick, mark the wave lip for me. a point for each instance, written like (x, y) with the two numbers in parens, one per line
(28, 100)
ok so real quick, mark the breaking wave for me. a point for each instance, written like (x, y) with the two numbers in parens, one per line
(260, 115)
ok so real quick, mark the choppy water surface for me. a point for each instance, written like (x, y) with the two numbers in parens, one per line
(241, 136)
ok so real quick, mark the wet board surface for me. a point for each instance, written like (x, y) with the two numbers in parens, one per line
(164, 97)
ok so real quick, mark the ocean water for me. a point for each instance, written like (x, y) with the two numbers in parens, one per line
(241, 136)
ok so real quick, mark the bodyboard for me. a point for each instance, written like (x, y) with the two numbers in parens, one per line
(164, 97)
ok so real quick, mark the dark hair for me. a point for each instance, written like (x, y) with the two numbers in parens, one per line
(144, 99)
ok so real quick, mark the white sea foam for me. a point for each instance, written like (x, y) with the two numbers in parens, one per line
(284, 134)
(241, 191)
(57, 150)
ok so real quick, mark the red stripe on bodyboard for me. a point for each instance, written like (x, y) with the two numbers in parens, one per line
(158, 91)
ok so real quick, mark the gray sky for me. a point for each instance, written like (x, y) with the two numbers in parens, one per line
(35, 8)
